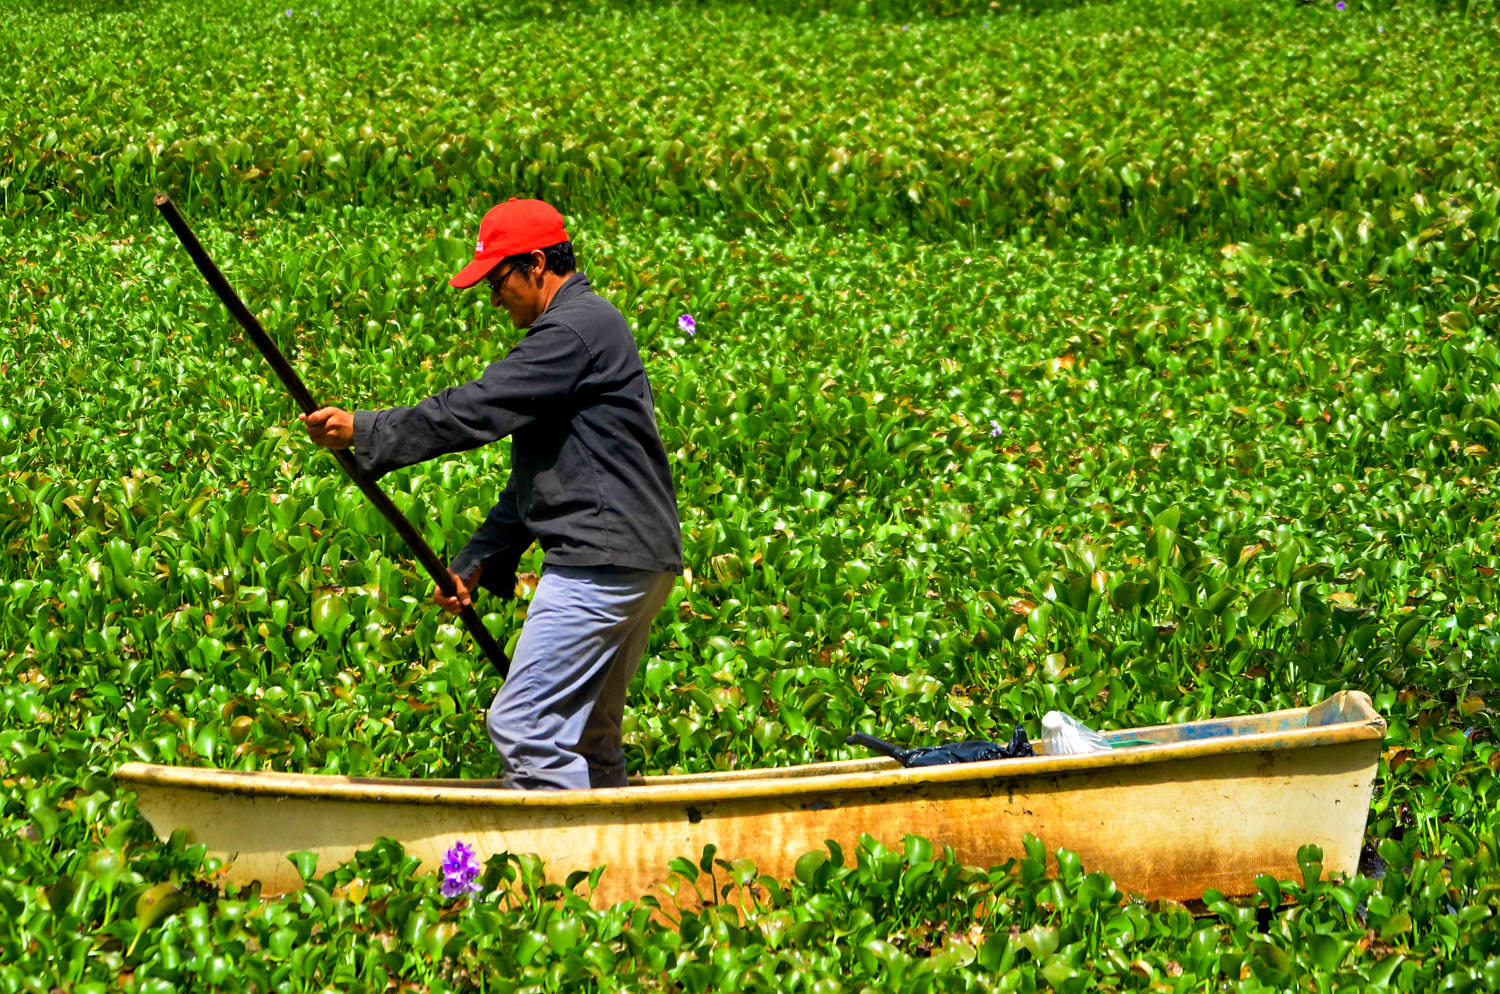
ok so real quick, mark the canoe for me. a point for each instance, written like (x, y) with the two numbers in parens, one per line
(1207, 804)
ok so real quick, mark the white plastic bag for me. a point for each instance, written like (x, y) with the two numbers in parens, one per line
(1063, 735)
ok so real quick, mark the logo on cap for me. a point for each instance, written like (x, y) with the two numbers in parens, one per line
(480, 247)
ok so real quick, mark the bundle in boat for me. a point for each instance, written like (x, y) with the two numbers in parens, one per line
(972, 751)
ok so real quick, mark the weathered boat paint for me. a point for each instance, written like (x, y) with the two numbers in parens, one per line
(1204, 805)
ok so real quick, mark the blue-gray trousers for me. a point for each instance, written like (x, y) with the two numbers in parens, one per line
(556, 720)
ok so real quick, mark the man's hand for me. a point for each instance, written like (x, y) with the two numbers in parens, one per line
(330, 427)
(460, 600)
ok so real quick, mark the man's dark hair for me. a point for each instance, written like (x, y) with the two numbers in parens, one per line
(559, 260)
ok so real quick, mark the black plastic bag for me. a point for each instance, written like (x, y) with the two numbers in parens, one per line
(957, 752)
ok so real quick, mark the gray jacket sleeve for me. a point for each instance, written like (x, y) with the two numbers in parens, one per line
(497, 545)
(539, 373)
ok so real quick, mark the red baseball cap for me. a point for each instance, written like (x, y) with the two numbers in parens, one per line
(511, 228)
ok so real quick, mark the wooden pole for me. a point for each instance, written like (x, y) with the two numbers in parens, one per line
(289, 378)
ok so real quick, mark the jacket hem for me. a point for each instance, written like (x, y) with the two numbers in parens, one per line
(601, 559)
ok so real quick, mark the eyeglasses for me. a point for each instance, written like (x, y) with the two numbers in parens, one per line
(496, 284)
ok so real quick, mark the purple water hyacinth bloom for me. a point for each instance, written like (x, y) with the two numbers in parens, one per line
(1340, 5)
(995, 429)
(687, 324)
(460, 868)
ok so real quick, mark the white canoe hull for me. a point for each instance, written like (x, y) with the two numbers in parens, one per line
(1209, 805)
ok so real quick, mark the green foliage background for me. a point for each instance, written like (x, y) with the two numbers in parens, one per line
(1134, 359)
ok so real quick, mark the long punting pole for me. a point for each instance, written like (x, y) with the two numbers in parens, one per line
(304, 399)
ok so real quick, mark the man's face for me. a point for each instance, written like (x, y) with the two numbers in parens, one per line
(520, 293)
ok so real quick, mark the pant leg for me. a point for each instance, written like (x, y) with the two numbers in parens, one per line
(601, 744)
(581, 625)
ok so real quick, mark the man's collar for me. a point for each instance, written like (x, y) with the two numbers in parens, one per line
(576, 283)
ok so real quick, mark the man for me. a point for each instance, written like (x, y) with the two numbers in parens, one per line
(589, 480)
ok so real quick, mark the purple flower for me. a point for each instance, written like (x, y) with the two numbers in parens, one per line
(460, 868)
(289, 12)
(994, 429)
(687, 324)
(1340, 5)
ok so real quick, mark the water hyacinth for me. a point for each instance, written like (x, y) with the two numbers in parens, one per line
(995, 429)
(460, 871)
(687, 325)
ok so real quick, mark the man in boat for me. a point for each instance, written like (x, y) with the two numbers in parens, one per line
(589, 481)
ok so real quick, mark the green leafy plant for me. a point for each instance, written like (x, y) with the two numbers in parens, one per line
(1134, 360)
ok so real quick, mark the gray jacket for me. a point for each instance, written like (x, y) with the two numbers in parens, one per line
(589, 477)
